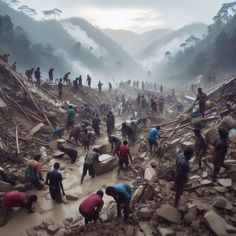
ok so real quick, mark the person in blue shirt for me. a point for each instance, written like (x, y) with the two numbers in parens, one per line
(181, 175)
(121, 192)
(152, 136)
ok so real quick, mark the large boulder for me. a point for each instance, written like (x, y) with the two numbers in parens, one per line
(217, 224)
(103, 149)
(211, 135)
(107, 163)
(222, 203)
(169, 213)
(150, 174)
(5, 187)
(145, 213)
(227, 123)
(187, 144)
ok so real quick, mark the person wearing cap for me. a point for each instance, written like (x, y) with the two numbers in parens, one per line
(220, 151)
(54, 181)
(91, 207)
(15, 199)
(90, 160)
(152, 136)
(121, 192)
(200, 146)
(182, 170)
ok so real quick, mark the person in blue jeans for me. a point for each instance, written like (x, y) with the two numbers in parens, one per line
(152, 136)
(121, 192)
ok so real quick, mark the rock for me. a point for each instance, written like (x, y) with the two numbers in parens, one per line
(31, 232)
(204, 174)
(217, 224)
(145, 213)
(47, 222)
(103, 149)
(169, 213)
(71, 197)
(136, 195)
(227, 123)
(52, 229)
(211, 135)
(187, 144)
(190, 217)
(206, 181)
(142, 146)
(21, 187)
(144, 154)
(222, 203)
(5, 187)
(150, 174)
(129, 230)
(225, 182)
(107, 163)
(165, 231)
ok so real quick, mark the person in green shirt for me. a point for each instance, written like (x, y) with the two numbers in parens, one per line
(70, 118)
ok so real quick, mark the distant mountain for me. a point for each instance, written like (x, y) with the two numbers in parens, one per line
(79, 43)
(135, 43)
(172, 41)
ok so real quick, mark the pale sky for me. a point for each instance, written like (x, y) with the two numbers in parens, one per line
(136, 15)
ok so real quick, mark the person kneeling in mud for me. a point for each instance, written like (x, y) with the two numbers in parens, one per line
(15, 199)
(90, 159)
(124, 155)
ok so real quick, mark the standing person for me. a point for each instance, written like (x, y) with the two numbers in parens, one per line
(100, 87)
(124, 130)
(32, 172)
(124, 156)
(131, 129)
(122, 194)
(54, 180)
(70, 118)
(200, 146)
(66, 78)
(50, 75)
(115, 144)
(29, 74)
(161, 104)
(60, 89)
(95, 124)
(181, 175)
(109, 124)
(37, 75)
(80, 81)
(110, 87)
(220, 151)
(89, 81)
(86, 139)
(143, 85)
(154, 132)
(15, 199)
(90, 160)
(201, 98)
(112, 121)
(76, 134)
(91, 207)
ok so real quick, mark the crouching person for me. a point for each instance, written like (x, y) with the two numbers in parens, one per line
(91, 207)
(15, 199)
(122, 194)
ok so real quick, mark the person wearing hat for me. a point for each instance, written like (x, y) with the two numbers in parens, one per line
(91, 207)
(220, 151)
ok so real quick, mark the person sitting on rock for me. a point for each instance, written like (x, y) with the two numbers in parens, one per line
(115, 144)
(182, 170)
(90, 159)
(91, 207)
(54, 181)
(124, 155)
(200, 146)
(121, 192)
(15, 199)
(220, 151)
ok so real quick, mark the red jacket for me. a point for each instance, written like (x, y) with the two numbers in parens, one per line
(123, 152)
(14, 199)
(91, 203)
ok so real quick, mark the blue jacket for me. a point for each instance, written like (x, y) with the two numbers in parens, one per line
(122, 191)
(153, 134)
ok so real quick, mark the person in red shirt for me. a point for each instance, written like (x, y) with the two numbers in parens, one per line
(124, 155)
(15, 199)
(91, 206)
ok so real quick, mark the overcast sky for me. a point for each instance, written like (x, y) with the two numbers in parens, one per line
(136, 15)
